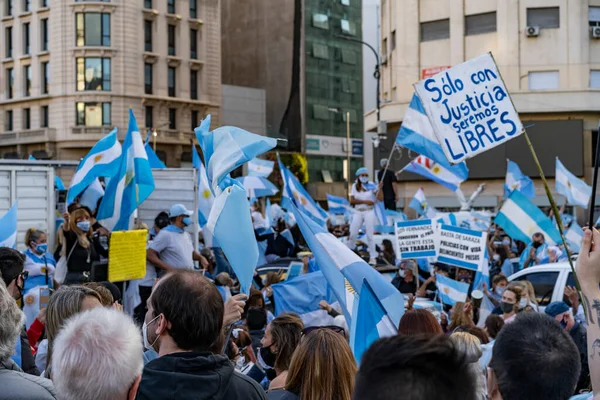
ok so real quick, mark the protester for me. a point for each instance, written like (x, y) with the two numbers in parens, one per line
(256, 322)
(470, 347)
(281, 339)
(40, 266)
(420, 367)
(242, 353)
(498, 286)
(535, 253)
(185, 330)
(406, 279)
(161, 221)
(323, 367)
(256, 299)
(510, 303)
(528, 300)
(460, 314)
(14, 383)
(66, 302)
(502, 260)
(388, 185)
(533, 358)
(555, 255)
(419, 321)
(387, 255)
(279, 244)
(573, 295)
(493, 325)
(363, 197)
(106, 298)
(476, 331)
(562, 314)
(97, 356)
(429, 287)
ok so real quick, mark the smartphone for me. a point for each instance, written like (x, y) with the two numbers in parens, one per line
(44, 297)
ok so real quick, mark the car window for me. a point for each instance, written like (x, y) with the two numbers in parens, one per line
(543, 284)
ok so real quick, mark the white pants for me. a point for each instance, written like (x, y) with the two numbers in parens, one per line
(368, 218)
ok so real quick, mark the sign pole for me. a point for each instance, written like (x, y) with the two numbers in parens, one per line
(595, 181)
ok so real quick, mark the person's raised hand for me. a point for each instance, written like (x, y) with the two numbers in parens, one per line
(42, 316)
(324, 305)
(588, 261)
(234, 307)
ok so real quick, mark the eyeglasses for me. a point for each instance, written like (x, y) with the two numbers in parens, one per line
(24, 275)
(334, 328)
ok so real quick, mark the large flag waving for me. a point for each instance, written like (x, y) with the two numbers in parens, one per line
(437, 172)
(516, 180)
(131, 185)
(451, 291)
(205, 195)
(574, 189)
(102, 160)
(153, 159)
(8, 228)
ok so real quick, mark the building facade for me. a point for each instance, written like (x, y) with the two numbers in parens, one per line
(71, 70)
(548, 52)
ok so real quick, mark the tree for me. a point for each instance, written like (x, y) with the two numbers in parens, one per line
(295, 162)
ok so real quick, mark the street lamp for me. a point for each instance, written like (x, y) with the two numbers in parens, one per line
(155, 134)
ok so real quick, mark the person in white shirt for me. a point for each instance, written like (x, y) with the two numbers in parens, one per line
(363, 197)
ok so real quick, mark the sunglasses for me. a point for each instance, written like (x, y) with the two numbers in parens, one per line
(334, 328)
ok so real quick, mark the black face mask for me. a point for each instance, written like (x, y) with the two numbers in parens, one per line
(535, 245)
(507, 308)
(267, 358)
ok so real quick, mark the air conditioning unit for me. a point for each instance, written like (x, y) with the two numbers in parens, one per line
(532, 31)
(383, 59)
(596, 32)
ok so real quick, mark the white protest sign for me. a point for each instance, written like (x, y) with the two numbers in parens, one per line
(464, 248)
(469, 108)
(415, 239)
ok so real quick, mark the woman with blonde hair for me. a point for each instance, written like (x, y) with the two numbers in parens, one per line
(322, 368)
(462, 314)
(528, 294)
(470, 346)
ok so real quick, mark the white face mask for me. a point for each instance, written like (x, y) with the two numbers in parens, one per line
(240, 362)
(523, 303)
(147, 344)
(496, 257)
(402, 273)
(506, 242)
(363, 179)
(499, 290)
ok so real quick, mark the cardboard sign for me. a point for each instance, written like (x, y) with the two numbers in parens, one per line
(415, 239)
(127, 255)
(469, 108)
(464, 248)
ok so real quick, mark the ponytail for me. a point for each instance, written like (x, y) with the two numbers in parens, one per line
(32, 235)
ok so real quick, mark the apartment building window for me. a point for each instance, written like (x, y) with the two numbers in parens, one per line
(349, 56)
(148, 4)
(193, 9)
(172, 118)
(148, 78)
(45, 78)
(195, 121)
(594, 16)
(320, 21)
(171, 39)
(9, 8)
(345, 2)
(194, 85)
(384, 48)
(149, 116)
(26, 41)
(435, 30)
(44, 34)
(8, 121)
(44, 4)
(27, 118)
(480, 23)
(393, 40)
(27, 80)
(348, 27)
(26, 5)
(10, 83)
(92, 29)
(595, 79)
(545, 18)
(194, 44)
(44, 117)
(171, 6)
(92, 114)
(9, 42)
(147, 35)
(320, 50)
(320, 112)
(93, 74)
(172, 80)
(543, 80)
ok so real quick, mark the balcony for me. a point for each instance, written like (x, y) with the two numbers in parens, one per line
(173, 136)
(91, 130)
(28, 137)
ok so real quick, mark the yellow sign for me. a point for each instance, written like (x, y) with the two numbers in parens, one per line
(127, 255)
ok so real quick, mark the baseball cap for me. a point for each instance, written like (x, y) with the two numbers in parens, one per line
(555, 308)
(179, 209)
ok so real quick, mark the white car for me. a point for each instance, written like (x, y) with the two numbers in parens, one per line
(548, 281)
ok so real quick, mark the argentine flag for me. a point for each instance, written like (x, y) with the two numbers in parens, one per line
(155, 162)
(370, 322)
(420, 205)
(451, 291)
(258, 167)
(430, 169)
(205, 195)
(104, 159)
(416, 134)
(92, 194)
(515, 180)
(520, 219)
(338, 205)
(574, 189)
(130, 186)
(574, 237)
(8, 228)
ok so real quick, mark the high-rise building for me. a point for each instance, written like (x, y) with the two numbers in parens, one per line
(71, 70)
(305, 55)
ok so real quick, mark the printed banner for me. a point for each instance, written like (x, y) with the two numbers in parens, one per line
(464, 248)
(469, 108)
(415, 239)
(127, 255)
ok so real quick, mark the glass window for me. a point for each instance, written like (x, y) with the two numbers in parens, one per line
(93, 114)
(194, 85)
(543, 285)
(26, 41)
(384, 47)
(320, 51)
(545, 18)
(353, 118)
(8, 120)
(594, 16)
(348, 27)
(172, 118)
(149, 117)
(171, 6)
(543, 80)
(27, 118)
(44, 117)
(172, 80)
(349, 86)
(171, 39)
(93, 74)
(480, 23)
(195, 121)
(345, 2)
(194, 44)
(45, 78)
(348, 56)
(393, 40)
(27, 80)
(44, 4)
(10, 83)
(26, 5)
(595, 79)
(193, 9)
(9, 46)
(92, 29)
(147, 3)
(320, 112)
(320, 21)
(147, 35)
(148, 78)
(435, 30)
(8, 9)
(44, 33)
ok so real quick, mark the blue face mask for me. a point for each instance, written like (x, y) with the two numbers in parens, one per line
(41, 248)
(187, 221)
(84, 225)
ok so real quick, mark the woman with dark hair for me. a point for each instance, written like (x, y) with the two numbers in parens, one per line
(387, 254)
(493, 325)
(418, 321)
(502, 260)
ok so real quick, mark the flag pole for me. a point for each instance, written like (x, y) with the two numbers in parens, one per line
(595, 181)
(555, 211)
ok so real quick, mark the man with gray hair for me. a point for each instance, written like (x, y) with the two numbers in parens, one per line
(98, 356)
(15, 384)
(390, 198)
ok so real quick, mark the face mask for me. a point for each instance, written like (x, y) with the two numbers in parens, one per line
(492, 230)
(506, 242)
(363, 179)
(240, 362)
(266, 357)
(523, 303)
(41, 248)
(563, 324)
(147, 344)
(507, 308)
(496, 257)
(84, 225)
(187, 221)
(402, 273)
(535, 245)
(499, 290)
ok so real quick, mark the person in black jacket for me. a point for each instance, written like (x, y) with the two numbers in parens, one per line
(183, 324)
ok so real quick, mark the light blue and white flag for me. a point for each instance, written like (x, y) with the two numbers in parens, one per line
(451, 291)
(155, 162)
(258, 167)
(574, 189)
(515, 180)
(92, 194)
(483, 273)
(574, 237)
(205, 195)
(416, 134)
(130, 186)
(370, 322)
(8, 228)
(520, 219)
(103, 160)
(395, 216)
(338, 205)
(430, 169)
(338, 262)
(257, 186)
(420, 205)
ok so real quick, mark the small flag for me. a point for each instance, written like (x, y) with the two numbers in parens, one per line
(515, 180)
(257, 186)
(574, 189)
(8, 228)
(338, 205)
(91, 195)
(155, 162)
(205, 194)
(258, 167)
(436, 172)
(420, 205)
(451, 291)
(574, 237)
